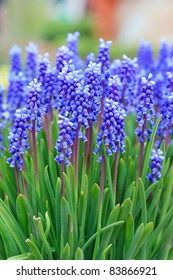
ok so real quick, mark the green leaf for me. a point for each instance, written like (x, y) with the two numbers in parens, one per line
(153, 238)
(129, 235)
(65, 212)
(66, 252)
(134, 244)
(19, 257)
(143, 201)
(121, 179)
(13, 227)
(21, 213)
(104, 229)
(105, 251)
(79, 255)
(34, 250)
(147, 231)
(9, 242)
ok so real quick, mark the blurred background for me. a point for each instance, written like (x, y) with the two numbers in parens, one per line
(47, 22)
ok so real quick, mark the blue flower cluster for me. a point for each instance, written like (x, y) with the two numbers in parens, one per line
(145, 109)
(66, 136)
(1, 117)
(145, 57)
(112, 129)
(18, 139)
(155, 166)
(16, 94)
(16, 65)
(31, 62)
(104, 58)
(34, 109)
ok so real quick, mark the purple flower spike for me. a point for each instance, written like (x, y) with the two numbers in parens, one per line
(18, 139)
(1, 118)
(34, 109)
(145, 57)
(155, 166)
(92, 77)
(80, 106)
(145, 109)
(104, 57)
(127, 74)
(72, 42)
(90, 57)
(16, 93)
(49, 90)
(112, 129)
(163, 56)
(31, 64)
(114, 88)
(43, 66)
(66, 136)
(16, 65)
(68, 81)
(63, 57)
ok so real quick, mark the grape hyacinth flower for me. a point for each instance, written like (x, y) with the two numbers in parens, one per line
(145, 114)
(18, 143)
(104, 60)
(112, 129)
(145, 57)
(34, 111)
(43, 66)
(104, 57)
(111, 135)
(34, 108)
(63, 56)
(90, 58)
(72, 42)
(127, 73)
(163, 57)
(92, 78)
(15, 54)
(68, 81)
(114, 88)
(66, 136)
(16, 94)
(31, 63)
(1, 118)
(155, 166)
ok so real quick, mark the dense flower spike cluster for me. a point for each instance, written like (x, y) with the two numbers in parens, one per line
(145, 57)
(68, 81)
(31, 63)
(43, 66)
(114, 88)
(155, 166)
(16, 65)
(34, 109)
(63, 56)
(104, 58)
(66, 136)
(1, 117)
(126, 72)
(16, 94)
(18, 139)
(112, 129)
(145, 109)
(49, 90)
(72, 42)
(100, 91)
(92, 78)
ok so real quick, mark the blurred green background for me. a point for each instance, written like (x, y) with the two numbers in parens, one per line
(47, 23)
